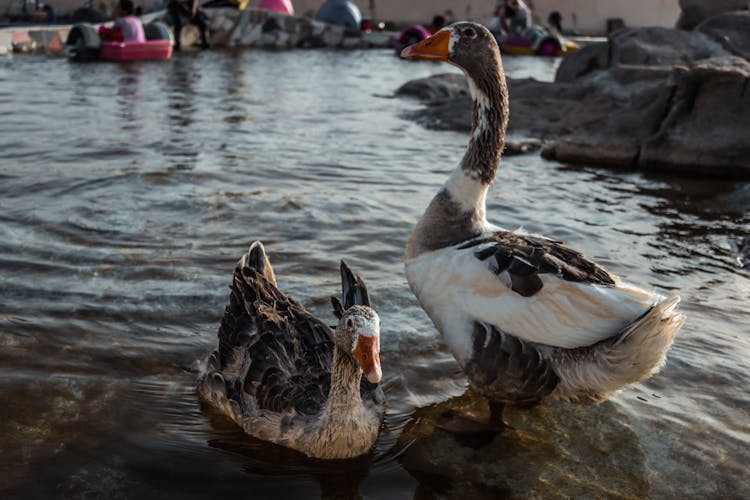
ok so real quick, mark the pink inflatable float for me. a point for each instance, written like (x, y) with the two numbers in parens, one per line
(84, 44)
(282, 6)
(135, 51)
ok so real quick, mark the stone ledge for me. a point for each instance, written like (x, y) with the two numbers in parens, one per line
(261, 28)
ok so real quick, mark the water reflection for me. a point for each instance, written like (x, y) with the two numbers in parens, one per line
(334, 479)
(181, 94)
(128, 95)
(117, 243)
(548, 446)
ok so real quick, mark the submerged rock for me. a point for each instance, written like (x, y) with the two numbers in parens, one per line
(555, 449)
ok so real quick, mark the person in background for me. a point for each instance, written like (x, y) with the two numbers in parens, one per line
(437, 23)
(514, 15)
(126, 28)
(190, 10)
(554, 20)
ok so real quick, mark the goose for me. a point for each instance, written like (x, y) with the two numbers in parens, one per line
(284, 376)
(526, 317)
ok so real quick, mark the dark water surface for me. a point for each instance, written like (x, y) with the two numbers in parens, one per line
(127, 193)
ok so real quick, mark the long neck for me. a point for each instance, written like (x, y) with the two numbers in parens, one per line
(343, 397)
(489, 94)
(458, 211)
(343, 428)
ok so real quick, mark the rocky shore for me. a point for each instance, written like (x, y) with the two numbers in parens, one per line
(652, 98)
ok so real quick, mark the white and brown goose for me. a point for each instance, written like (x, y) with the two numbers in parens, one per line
(283, 376)
(525, 316)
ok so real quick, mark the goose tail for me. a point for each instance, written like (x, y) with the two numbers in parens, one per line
(254, 280)
(256, 258)
(592, 374)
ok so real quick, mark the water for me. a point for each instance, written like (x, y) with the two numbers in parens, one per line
(127, 193)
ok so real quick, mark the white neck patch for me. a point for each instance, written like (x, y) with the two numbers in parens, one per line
(469, 193)
(452, 40)
(482, 101)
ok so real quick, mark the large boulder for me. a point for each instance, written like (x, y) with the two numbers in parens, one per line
(583, 61)
(696, 122)
(657, 46)
(706, 129)
(444, 86)
(731, 30)
(616, 138)
(696, 11)
(653, 46)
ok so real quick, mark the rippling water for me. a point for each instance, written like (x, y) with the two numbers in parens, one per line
(127, 193)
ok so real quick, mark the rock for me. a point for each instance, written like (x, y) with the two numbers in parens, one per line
(731, 30)
(583, 61)
(538, 109)
(442, 86)
(448, 114)
(706, 128)
(617, 137)
(696, 11)
(696, 123)
(254, 27)
(547, 446)
(743, 252)
(658, 46)
(547, 110)
(515, 148)
(447, 98)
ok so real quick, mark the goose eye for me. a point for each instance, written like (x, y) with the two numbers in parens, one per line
(468, 33)
(350, 323)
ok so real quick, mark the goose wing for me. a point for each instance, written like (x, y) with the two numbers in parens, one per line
(273, 354)
(528, 286)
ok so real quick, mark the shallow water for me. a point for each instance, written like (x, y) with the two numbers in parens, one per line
(127, 193)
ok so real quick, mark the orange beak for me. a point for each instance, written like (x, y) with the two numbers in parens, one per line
(367, 354)
(434, 48)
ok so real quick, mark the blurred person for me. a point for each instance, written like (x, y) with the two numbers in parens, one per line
(190, 10)
(514, 15)
(554, 20)
(126, 28)
(129, 25)
(437, 24)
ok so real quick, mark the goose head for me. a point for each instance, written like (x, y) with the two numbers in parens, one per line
(358, 334)
(470, 46)
(358, 331)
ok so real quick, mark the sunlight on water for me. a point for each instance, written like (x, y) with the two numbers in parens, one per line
(129, 191)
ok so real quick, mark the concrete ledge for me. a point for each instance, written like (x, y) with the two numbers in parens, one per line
(262, 28)
(41, 39)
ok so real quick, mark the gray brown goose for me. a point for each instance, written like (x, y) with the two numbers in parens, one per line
(284, 376)
(525, 316)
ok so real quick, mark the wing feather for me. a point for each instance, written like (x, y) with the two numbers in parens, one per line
(273, 354)
(533, 288)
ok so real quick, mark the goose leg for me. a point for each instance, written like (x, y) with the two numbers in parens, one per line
(470, 423)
